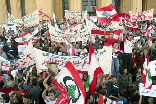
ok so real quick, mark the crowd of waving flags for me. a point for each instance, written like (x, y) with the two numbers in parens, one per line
(68, 81)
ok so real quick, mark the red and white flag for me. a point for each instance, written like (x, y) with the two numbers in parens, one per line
(70, 85)
(106, 14)
(25, 38)
(83, 51)
(146, 75)
(93, 70)
(149, 32)
(130, 25)
(70, 47)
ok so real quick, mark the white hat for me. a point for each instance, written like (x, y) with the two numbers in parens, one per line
(8, 41)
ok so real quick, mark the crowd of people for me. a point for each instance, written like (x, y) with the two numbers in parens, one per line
(122, 84)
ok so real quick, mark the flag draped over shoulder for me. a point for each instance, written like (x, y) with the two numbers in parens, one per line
(23, 39)
(130, 25)
(69, 83)
(4, 64)
(146, 76)
(106, 14)
(93, 70)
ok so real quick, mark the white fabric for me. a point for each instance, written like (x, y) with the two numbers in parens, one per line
(99, 13)
(48, 101)
(128, 46)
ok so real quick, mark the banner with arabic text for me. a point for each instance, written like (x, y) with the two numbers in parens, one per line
(57, 35)
(29, 20)
(104, 56)
(141, 16)
(75, 14)
(4, 64)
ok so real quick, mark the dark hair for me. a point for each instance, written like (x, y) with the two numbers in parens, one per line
(27, 96)
(6, 97)
(113, 43)
(102, 91)
(18, 97)
(114, 76)
(52, 91)
(87, 96)
(21, 85)
(121, 92)
(34, 82)
(12, 78)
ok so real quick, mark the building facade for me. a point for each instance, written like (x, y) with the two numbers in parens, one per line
(21, 8)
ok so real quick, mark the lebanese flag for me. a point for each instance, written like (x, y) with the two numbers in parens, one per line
(70, 85)
(106, 14)
(130, 25)
(114, 49)
(23, 39)
(105, 100)
(149, 32)
(146, 75)
(116, 33)
(93, 70)
(70, 47)
(114, 25)
(83, 51)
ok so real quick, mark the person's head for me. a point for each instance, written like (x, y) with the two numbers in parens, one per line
(18, 97)
(136, 44)
(134, 50)
(141, 53)
(124, 71)
(52, 95)
(77, 46)
(129, 37)
(102, 38)
(135, 85)
(150, 100)
(121, 93)
(63, 54)
(114, 79)
(115, 44)
(27, 98)
(20, 86)
(89, 98)
(139, 69)
(1, 50)
(134, 64)
(111, 35)
(100, 46)
(10, 77)
(64, 43)
(103, 91)
(34, 82)
(5, 98)
(85, 77)
(8, 42)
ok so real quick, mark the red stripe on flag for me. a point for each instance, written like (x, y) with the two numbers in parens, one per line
(76, 77)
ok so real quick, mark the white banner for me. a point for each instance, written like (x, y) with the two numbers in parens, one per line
(57, 35)
(141, 16)
(147, 92)
(152, 66)
(104, 57)
(21, 49)
(27, 58)
(75, 14)
(93, 18)
(29, 20)
(4, 64)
